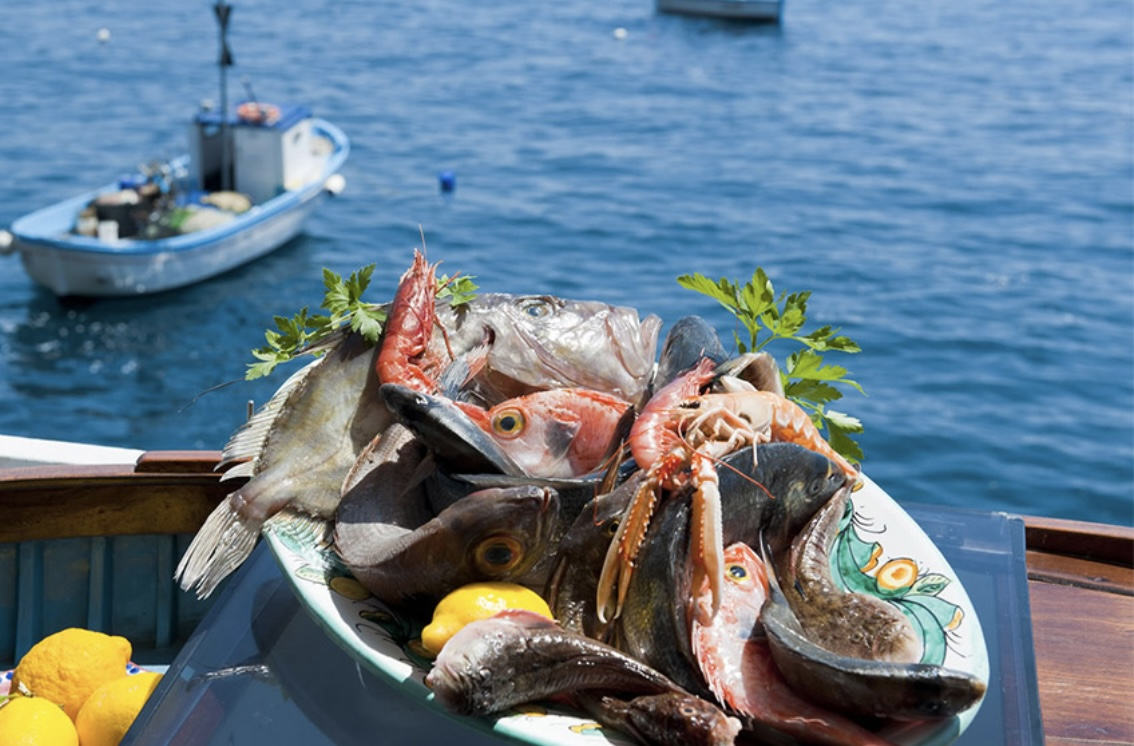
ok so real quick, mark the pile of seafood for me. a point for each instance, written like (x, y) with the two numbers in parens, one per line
(674, 509)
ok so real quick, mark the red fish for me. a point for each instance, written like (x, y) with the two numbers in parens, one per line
(557, 433)
(737, 664)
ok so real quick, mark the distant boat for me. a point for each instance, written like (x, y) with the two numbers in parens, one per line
(246, 187)
(761, 11)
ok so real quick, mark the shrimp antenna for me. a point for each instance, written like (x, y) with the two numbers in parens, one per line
(739, 473)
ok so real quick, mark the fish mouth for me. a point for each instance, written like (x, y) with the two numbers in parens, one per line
(449, 433)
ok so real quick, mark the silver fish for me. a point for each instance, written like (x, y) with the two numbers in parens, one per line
(297, 449)
(547, 342)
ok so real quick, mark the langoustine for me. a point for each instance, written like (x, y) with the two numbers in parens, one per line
(679, 436)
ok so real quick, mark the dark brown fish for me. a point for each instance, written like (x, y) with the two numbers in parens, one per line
(688, 341)
(573, 583)
(493, 534)
(669, 719)
(494, 664)
(851, 624)
(858, 686)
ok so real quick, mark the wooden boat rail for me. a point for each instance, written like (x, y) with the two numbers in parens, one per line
(1080, 575)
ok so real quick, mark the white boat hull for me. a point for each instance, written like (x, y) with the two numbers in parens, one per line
(81, 266)
(747, 10)
(68, 272)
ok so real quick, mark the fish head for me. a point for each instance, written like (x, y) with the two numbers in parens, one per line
(772, 496)
(688, 341)
(558, 433)
(544, 342)
(458, 443)
(675, 718)
(537, 437)
(476, 663)
(501, 532)
(743, 593)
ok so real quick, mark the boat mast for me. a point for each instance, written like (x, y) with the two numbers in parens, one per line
(223, 10)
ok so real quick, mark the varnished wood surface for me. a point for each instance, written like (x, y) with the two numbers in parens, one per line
(1081, 576)
(168, 492)
(1081, 588)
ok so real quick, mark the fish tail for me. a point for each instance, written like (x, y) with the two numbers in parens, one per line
(223, 542)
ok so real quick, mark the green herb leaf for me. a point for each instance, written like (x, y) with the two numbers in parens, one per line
(342, 300)
(765, 318)
(458, 290)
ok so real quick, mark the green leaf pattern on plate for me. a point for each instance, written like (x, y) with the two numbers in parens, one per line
(857, 567)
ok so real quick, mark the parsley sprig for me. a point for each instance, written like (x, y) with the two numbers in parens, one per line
(807, 380)
(343, 303)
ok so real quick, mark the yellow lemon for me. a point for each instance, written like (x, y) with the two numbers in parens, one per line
(31, 721)
(477, 601)
(67, 666)
(110, 710)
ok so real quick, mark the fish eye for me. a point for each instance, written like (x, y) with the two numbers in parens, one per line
(817, 486)
(612, 527)
(508, 423)
(737, 572)
(497, 555)
(536, 308)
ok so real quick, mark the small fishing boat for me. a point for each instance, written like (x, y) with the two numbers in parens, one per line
(760, 11)
(249, 182)
(94, 545)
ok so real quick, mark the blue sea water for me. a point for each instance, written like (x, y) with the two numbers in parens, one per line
(954, 182)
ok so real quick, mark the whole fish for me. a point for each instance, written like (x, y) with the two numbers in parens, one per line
(667, 719)
(296, 450)
(772, 499)
(734, 658)
(491, 535)
(519, 656)
(859, 686)
(851, 624)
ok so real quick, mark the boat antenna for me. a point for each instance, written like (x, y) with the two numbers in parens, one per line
(223, 10)
(251, 94)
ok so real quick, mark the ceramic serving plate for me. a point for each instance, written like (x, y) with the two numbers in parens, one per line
(883, 548)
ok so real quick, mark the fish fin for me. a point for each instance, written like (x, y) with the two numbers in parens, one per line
(242, 469)
(249, 439)
(223, 542)
(765, 553)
